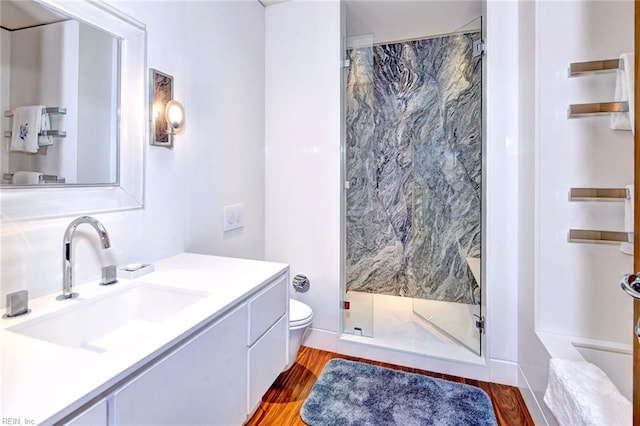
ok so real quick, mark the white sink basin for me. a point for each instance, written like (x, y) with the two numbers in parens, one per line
(102, 323)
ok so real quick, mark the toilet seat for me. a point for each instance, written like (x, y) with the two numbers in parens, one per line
(299, 314)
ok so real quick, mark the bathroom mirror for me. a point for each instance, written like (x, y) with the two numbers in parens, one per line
(93, 160)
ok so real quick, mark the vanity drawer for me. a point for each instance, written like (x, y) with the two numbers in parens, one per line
(266, 308)
(267, 359)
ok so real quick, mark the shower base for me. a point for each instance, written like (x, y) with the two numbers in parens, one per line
(389, 322)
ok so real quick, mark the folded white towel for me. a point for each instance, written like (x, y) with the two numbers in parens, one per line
(627, 248)
(44, 126)
(628, 61)
(27, 123)
(580, 393)
(625, 92)
(26, 178)
(628, 209)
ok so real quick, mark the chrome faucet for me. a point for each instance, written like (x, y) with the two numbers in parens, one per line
(67, 267)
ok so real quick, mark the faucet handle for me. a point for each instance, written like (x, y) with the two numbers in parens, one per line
(17, 304)
(109, 275)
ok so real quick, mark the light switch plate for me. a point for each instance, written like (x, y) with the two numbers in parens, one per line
(233, 217)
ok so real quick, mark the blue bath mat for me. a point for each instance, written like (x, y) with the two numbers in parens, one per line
(353, 393)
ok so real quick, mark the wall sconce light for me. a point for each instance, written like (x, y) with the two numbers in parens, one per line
(174, 113)
(167, 115)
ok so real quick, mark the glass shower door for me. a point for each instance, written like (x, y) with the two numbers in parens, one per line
(447, 194)
(360, 221)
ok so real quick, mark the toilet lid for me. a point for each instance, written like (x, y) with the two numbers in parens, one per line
(298, 312)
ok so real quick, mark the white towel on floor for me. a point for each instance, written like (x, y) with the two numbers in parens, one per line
(625, 92)
(26, 178)
(27, 123)
(580, 393)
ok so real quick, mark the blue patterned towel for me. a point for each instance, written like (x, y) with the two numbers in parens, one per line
(27, 123)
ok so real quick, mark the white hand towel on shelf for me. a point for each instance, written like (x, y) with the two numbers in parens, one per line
(627, 248)
(26, 178)
(27, 122)
(45, 125)
(625, 92)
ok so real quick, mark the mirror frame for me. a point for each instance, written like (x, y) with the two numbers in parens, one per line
(36, 202)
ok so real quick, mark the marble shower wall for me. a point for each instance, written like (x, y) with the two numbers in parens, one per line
(413, 162)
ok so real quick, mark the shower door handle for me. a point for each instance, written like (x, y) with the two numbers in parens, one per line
(630, 283)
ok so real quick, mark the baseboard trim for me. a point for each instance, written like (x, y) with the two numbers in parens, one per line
(503, 372)
(533, 398)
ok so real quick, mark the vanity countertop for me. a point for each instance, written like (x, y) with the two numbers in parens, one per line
(43, 382)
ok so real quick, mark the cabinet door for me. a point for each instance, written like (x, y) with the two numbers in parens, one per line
(93, 416)
(202, 382)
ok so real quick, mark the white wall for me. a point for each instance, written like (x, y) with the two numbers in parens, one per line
(578, 291)
(225, 124)
(303, 179)
(407, 19)
(532, 357)
(501, 190)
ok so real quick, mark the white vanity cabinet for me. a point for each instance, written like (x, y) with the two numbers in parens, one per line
(208, 361)
(217, 376)
(201, 382)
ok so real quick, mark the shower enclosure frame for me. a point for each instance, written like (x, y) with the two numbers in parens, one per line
(481, 355)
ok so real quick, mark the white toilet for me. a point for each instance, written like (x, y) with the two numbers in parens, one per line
(300, 317)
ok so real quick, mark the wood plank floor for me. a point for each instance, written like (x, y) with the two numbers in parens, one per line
(281, 404)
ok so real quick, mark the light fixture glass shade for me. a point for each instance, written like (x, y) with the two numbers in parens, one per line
(174, 113)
